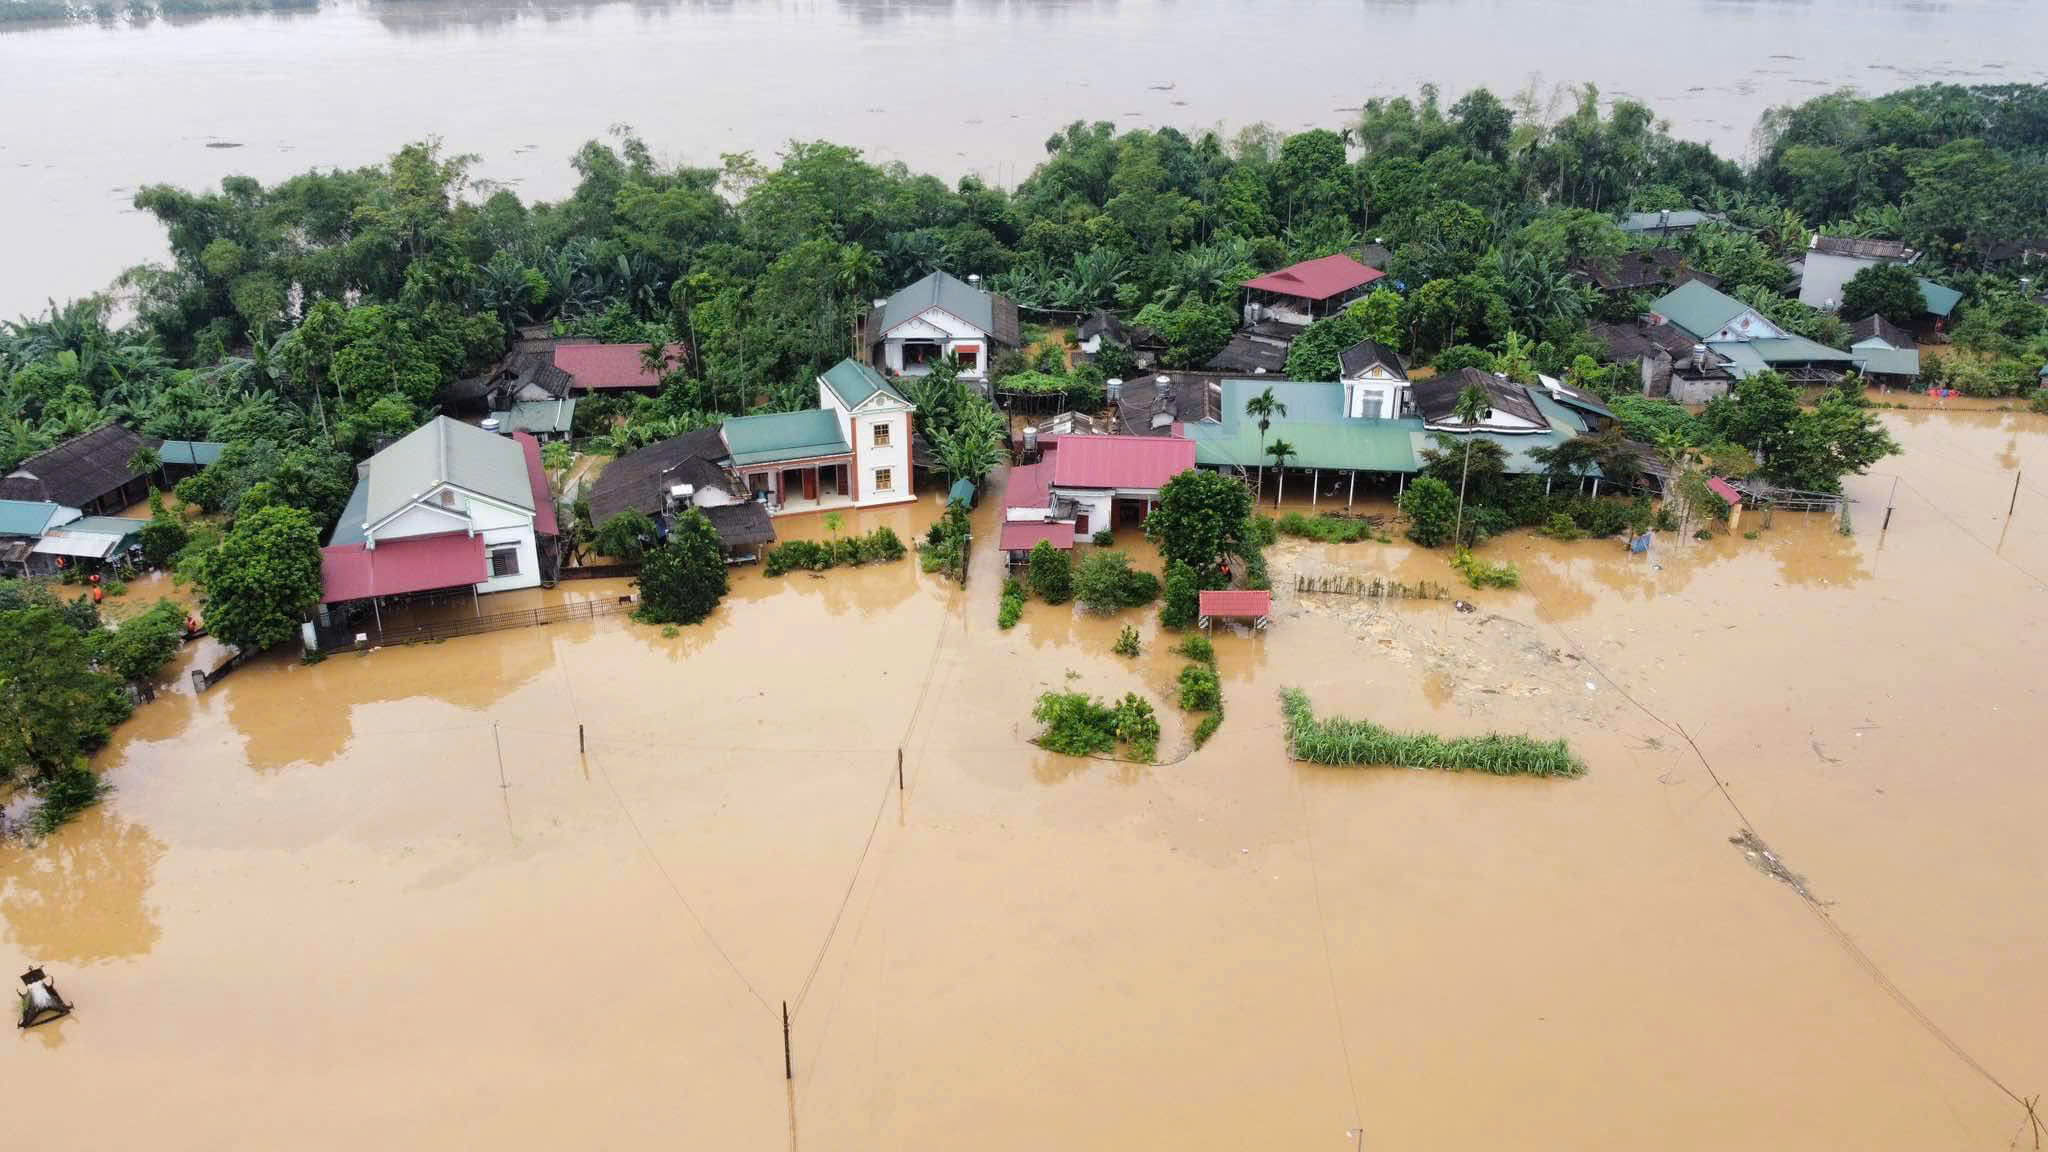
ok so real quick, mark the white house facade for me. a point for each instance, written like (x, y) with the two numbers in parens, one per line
(877, 427)
(448, 477)
(936, 317)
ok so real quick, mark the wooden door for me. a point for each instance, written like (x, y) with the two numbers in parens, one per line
(810, 483)
(1080, 524)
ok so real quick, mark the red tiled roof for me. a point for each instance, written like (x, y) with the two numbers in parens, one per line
(395, 567)
(1120, 461)
(1023, 535)
(1030, 485)
(602, 367)
(1317, 279)
(1725, 491)
(544, 523)
(1236, 602)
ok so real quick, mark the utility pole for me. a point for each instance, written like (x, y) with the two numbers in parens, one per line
(788, 1068)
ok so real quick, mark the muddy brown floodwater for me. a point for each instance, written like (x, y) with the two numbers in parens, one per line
(382, 901)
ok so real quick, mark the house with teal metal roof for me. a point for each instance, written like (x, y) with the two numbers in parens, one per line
(30, 519)
(851, 451)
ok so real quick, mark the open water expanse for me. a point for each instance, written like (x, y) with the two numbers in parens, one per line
(384, 901)
(88, 113)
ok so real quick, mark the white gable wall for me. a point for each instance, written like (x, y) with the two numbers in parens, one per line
(941, 327)
(869, 459)
(500, 526)
(1750, 325)
(1374, 394)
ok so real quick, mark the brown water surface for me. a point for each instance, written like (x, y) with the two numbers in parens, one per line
(384, 901)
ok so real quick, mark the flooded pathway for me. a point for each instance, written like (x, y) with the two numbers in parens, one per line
(391, 878)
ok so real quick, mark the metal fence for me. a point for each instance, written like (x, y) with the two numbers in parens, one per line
(496, 622)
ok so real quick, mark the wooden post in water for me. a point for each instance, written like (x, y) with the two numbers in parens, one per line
(788, 1068)
(899, 769)
(579, 739)
(2015, 501)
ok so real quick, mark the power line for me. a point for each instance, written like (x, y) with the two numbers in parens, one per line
(1842, 937)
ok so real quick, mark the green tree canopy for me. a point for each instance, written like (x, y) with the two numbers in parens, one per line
(1199, 520)
(264, 579)
(683, 580)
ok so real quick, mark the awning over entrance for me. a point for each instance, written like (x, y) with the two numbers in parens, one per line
(1023, 535)
(395, 567)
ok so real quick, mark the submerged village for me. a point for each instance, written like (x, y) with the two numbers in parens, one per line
(1207, 646)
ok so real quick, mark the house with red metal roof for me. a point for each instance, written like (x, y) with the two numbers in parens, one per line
(1100, 481)
(448, 507)
(1306, 292)
(611, 367)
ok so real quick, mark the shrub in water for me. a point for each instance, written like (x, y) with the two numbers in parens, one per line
(1009, 612)
(1052, 573)
(1103, 538)
(1183, 597)
(1481, 574)
(1137, 726)
(1432, 511)
(1207, 727)
(1076, 724)
(1561, 526)
(1199, 689)
(1126, 642)
(1197, 647)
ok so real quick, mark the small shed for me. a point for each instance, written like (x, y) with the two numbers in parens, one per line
(1019, 537)
(743, 528)
(961, 494)
(1251, 604)
(1728, 492)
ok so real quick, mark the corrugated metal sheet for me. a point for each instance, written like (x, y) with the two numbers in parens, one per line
(1122, 462)
(775, 437)
(1236, 602)
(537, 483)
(1024, 535)
(610, 367)
(1316, 279)
(413, 564)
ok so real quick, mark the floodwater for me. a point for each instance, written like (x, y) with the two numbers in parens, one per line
(388, 892)
(951, 86)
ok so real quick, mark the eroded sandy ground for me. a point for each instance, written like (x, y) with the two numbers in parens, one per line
(382, 901)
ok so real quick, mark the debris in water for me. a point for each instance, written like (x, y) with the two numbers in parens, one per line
(1461, 606)
(40, 1001)
(1767, 862)
(222, 144)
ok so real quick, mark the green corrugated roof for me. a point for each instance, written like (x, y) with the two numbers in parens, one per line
(1876, 356)
(1698, 309)
(962, 493)
(1939, 298)
(106, 525)
(778, 436)
(199, 453)
(1797, 350)
(26, 517)
(944, 292)
(1743, 358)
(854, 382)
(543, 416)
(1305, 399)
(1516, 448)
(1361, 445)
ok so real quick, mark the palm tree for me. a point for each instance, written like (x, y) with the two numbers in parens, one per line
(1265, 407)
(1473, 406)
(1280, 451)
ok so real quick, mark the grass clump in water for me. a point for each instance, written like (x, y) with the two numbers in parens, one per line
(1481, 574)
(1335, 740)
(1011, 608)
(1327, 529)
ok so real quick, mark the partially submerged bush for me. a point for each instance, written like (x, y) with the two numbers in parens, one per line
(1481, 574)
(1334, 740)
(1126, 642)
(1011, 607)
(880, 546)
(1432, 511)
(1197, 647)
(1106, 582)
(1200, 691)
(1326, 529)
(1207, 727)
(1077, 724)
(1183, 597)
(1052, 573)
(63, 795)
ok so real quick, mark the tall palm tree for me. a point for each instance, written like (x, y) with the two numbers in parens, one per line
(1280, 451)
(1472, 407)
(1265, 407)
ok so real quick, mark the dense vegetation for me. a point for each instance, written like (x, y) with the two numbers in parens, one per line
(1335, 740)
(303, 322)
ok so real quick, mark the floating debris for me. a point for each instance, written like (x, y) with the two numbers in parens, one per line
(1767, 862)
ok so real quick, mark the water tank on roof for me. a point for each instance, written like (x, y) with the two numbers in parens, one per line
(490, 424)
(1030, 439)
(1113, 388)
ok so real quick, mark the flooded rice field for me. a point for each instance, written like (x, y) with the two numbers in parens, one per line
(384, 900)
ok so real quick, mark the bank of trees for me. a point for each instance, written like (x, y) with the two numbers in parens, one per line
(305, 321)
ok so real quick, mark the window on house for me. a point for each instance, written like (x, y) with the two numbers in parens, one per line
(881, 435)
(885, 480)
(447, 498)
(969, 357)
(504, 562)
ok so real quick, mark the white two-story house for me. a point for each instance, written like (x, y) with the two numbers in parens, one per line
(851, 451)
(447, 506)
(938, 316)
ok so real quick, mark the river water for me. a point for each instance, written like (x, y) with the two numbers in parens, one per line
(384, 901)
(90, 113)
